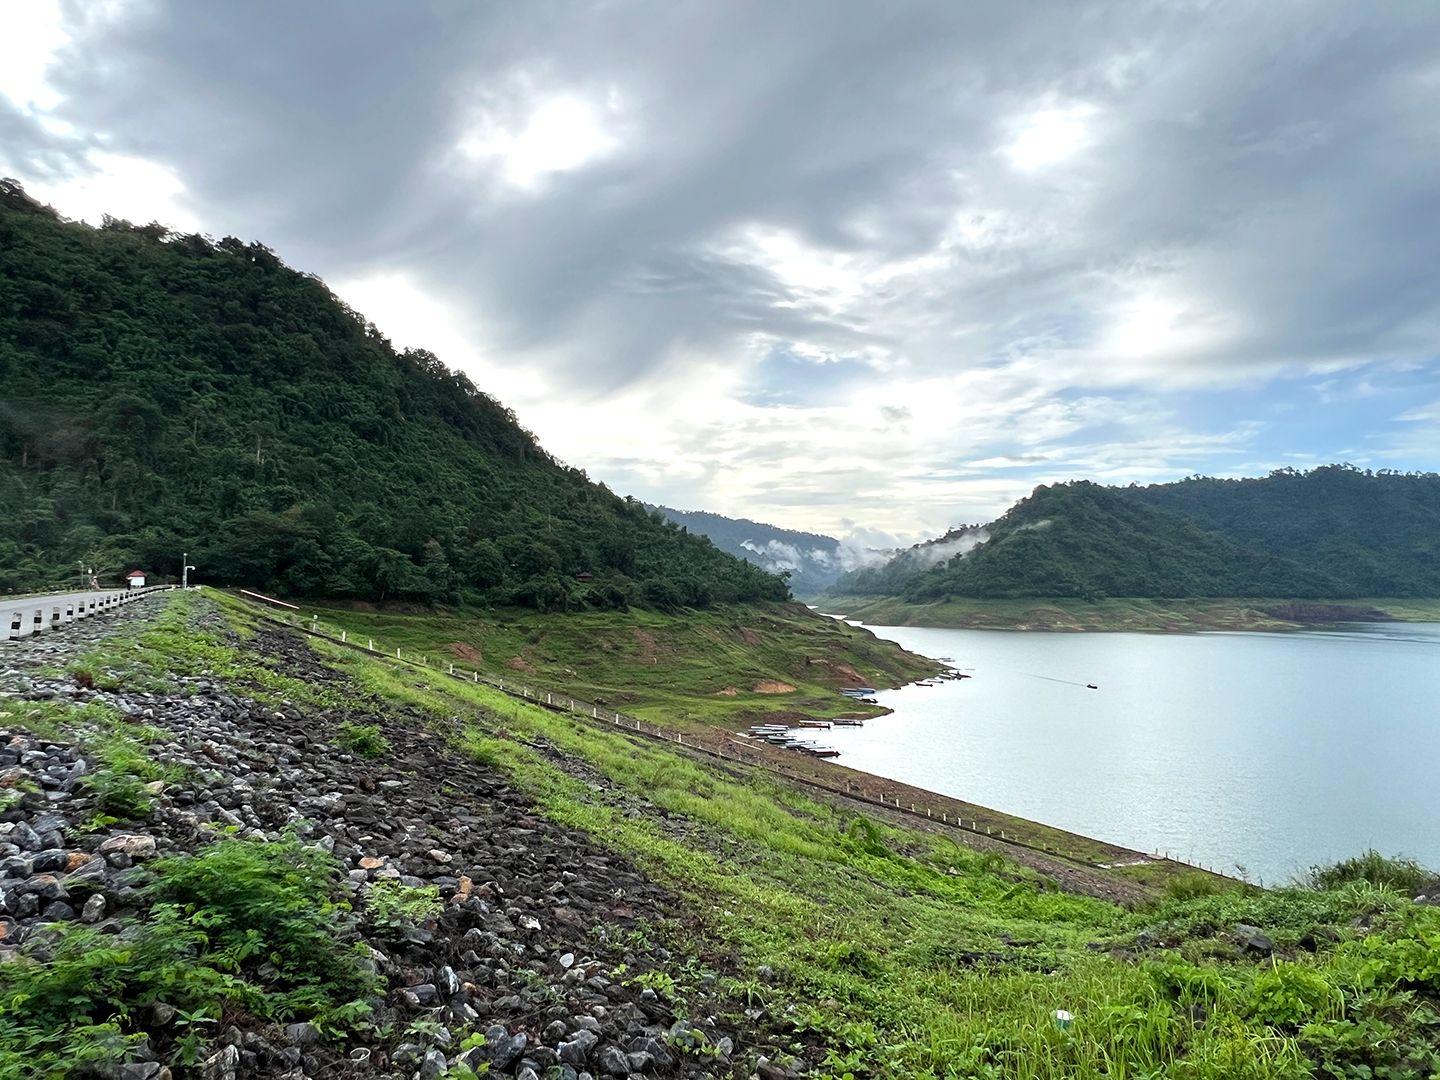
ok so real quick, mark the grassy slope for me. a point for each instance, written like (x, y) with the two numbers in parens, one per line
(910, 956)
(1112, 614)
(663, 668)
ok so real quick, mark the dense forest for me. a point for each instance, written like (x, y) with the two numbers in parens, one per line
(1332, 532)
(162, 393)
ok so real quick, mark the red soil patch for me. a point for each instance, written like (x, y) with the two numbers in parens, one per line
(466, 652)
(770, 686)
(649, 649)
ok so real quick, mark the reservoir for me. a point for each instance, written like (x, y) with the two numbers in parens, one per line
(1265, 752)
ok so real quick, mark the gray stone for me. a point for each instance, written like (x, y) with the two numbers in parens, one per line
(1253, 940)
(611, 1061)
(447, 981)
(138, 1070)
(423, 996)
(305, 1034)
(94, 909)
(575, 1050)
(433, 1065)
(222, 1065)
(507, 1051)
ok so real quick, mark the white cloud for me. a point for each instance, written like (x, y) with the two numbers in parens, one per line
(120, 185)
(560, 134)
(415, 319)
(34, 32)
(1049, 136)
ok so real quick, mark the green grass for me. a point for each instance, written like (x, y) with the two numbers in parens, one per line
(151, 653)
(363, 739)
(1111, 614)
(699, 667)
(906, 955)
(893, 952)
(1404, 875)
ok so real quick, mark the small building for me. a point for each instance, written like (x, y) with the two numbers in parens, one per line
(135, 579)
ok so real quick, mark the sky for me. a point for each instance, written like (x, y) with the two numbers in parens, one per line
(870, 269)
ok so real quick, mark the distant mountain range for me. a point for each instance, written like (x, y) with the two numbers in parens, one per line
(813, 561)
(1333, 532)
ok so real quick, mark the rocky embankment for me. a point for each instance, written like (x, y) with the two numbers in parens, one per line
(539, 943)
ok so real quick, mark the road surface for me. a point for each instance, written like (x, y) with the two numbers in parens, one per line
(20, 617)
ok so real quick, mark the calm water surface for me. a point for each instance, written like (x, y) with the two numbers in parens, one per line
(1267, 751)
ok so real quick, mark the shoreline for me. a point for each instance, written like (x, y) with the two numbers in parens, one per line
(1129, 614)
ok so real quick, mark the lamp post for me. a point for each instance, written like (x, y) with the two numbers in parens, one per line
(185, 570)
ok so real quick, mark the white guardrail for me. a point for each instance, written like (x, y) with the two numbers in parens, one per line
(23, 616)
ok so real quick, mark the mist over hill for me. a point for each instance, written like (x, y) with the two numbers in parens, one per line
(813, 561)
(164, 393)
(1331, 532)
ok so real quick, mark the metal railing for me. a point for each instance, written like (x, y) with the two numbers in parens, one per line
(35, 614)
(724, 745)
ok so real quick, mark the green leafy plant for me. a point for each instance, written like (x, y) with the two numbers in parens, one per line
(1288, 995)
(120, 795)
(363, 739)
(395, 906)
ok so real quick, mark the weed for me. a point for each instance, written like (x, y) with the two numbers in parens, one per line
(280, 902)
(1405, 875)
(254, 926)
(121, 796)
(363, 739)
(397, 907)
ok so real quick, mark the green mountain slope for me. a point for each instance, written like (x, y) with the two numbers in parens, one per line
(163, 393)
(1331, 533)
(1372, 534)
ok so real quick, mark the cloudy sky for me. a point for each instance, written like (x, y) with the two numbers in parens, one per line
(874, 267)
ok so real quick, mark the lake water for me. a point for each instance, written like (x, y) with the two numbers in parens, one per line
(1266, 751)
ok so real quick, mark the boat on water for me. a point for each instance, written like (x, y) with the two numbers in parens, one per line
(853, 691)
(848, 722)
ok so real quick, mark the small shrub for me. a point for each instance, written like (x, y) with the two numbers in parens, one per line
(363, 739)
(1409, 957)
(1188, 984)
(396, 907)
(120, 795)
(1288, 995)
(1406, 875)
(278, 901)
(66, 1016)
(241, 926)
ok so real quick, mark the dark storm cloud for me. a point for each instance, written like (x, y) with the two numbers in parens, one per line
(1138, 195)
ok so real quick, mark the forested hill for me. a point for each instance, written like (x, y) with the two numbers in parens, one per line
(812, 561)
(1333, 532)
(162, 393)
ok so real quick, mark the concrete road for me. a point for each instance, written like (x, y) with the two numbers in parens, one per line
(32, 614)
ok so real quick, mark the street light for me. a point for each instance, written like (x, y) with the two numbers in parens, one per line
(185, 570)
